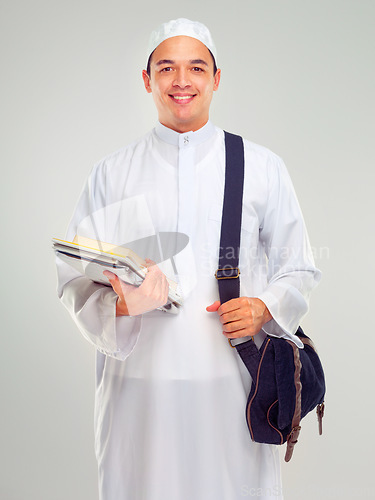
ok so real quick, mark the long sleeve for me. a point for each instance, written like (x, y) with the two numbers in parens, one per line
(291, 273)
(91, 305)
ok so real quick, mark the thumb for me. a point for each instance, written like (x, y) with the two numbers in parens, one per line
(111, 276)
(118, 285)
(213, 307)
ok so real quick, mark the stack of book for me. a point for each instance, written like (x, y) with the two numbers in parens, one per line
(91, 257)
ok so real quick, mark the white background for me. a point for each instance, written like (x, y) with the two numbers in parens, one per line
(297, 77)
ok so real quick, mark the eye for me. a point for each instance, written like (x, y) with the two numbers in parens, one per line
(197, 69)
(166, 69)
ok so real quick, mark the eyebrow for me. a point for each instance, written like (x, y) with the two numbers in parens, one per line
(199, 61)
(170, 61)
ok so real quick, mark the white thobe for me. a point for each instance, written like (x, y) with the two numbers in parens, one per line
(170, 392)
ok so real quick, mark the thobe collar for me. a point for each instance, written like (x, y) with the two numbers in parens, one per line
(187, 138)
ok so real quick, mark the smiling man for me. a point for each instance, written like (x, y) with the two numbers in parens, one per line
(182, 79)
(170, 392)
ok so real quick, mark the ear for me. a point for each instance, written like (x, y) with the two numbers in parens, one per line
(217, 79)
(146, 81)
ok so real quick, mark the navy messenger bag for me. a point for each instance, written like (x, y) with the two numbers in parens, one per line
(287, 382)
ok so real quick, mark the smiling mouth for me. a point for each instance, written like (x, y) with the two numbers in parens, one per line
(182, 99)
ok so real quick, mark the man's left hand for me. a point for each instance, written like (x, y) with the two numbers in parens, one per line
(241, 317)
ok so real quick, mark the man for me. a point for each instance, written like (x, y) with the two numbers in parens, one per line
(170, 392)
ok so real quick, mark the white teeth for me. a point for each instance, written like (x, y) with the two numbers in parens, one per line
(181, 98)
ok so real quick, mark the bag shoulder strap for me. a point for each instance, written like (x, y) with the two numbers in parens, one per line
(228, 273)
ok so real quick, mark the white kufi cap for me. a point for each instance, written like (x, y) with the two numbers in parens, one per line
(181, 27)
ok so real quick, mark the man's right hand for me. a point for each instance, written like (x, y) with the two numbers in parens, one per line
(150, 295)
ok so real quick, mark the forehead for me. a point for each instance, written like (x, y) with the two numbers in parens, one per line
(182, 48)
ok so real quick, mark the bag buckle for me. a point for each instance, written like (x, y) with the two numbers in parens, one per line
(226, 273)
(239, 338)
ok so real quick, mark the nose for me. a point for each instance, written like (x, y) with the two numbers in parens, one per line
(182, 79)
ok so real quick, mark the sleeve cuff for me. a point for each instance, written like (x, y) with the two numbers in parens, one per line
(122, 332)
(279, 326)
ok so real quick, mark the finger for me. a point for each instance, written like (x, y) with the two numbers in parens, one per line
(240, 329)
(109, 275)
(155, 287)
(154, 272)
(150, 263)
(114, 280)
(115, 283)
(164, 291)
(155, 279)
(118, 285)
(234, 326)
(213, 307)
(237, 334)
(236, 315)
(230, 305)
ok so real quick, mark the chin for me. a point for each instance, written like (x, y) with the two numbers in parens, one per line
(186, 118)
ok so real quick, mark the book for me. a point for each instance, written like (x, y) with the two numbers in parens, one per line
(91, 257)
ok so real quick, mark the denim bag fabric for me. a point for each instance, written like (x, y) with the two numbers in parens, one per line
(287, 383)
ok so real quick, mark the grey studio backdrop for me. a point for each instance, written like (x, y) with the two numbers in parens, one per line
(298, 77)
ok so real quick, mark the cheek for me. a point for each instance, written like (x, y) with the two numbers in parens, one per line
(159, 94)
(208, 94)
(158, 87)
(207, 89)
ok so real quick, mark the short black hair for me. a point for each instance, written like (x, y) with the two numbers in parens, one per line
(149, 61)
